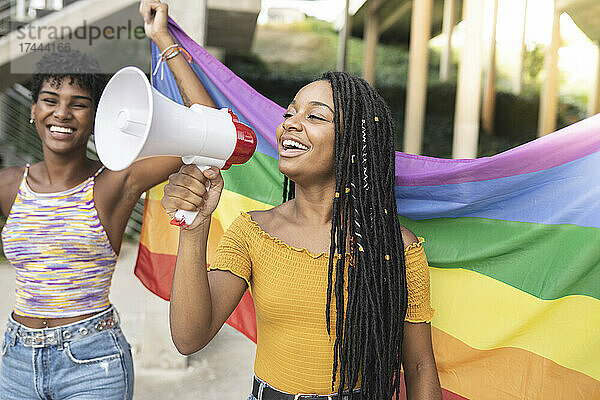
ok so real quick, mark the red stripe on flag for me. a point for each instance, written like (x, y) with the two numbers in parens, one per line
(155, 271)
(243, 318)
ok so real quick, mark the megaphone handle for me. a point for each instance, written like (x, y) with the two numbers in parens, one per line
(184, 218)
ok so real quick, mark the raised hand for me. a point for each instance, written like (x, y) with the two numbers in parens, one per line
(187, 190)
(155, 16)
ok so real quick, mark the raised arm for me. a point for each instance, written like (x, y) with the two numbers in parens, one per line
(146, 173)
(192, 91)
(200, 302)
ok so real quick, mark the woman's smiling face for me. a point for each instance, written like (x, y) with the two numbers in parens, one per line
(63, 115)
(306, 139)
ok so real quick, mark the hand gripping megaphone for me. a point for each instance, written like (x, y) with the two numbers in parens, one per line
(134, 120)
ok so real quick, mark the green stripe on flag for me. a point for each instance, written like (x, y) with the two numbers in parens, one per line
(258, 179)
(547, 261)
(556, 265)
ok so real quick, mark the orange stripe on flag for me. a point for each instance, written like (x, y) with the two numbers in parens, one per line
(159, 236)
(506, 373)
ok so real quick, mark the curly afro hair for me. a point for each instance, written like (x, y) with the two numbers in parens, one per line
(82, 69)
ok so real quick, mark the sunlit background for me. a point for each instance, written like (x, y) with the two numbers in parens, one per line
(277, 46)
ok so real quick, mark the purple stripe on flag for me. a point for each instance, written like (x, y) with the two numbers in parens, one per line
(558, 148)
(569, 144)
(262, 113)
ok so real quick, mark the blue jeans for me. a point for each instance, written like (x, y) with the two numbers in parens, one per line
(86, 360)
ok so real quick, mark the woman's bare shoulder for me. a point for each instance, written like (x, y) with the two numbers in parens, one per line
(10, 178)
(408, 237)
(11, 173)
(269, 219)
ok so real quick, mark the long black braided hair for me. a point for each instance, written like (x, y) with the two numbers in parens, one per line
(368, 332)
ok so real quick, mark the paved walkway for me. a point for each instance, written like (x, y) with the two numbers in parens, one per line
(223, 370)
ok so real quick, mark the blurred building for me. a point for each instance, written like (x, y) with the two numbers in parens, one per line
(417, 21)
(112, 32)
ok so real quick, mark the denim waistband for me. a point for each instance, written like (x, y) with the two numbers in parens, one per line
(108, 319)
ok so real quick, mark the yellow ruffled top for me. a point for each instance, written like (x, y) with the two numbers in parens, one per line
(289, 287)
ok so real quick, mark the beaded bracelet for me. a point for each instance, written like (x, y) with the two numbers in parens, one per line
(168, 53)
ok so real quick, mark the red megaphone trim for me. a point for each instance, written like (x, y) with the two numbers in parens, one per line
(245, 144)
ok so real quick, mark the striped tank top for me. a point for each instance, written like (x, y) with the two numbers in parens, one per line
(64, 262)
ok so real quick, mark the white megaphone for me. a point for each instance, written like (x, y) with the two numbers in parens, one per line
(134, 120)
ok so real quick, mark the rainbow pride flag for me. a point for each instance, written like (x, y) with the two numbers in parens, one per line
(513, 242)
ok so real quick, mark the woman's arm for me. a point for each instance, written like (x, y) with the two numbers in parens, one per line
(122, 189)
(420, 372)
(200, 302)
(146, 173)
(155, 24)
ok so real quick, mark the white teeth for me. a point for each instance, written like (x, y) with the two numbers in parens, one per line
(287, 143)
(60, 129)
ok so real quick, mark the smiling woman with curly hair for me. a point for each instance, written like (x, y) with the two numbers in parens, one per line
(65, 221)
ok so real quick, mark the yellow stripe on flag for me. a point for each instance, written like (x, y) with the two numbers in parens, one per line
(486, 314)
(162, 238)
(506, 372)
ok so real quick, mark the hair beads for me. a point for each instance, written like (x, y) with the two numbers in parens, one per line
(369, 326)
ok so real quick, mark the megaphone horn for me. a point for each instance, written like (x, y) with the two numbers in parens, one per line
(134, 121)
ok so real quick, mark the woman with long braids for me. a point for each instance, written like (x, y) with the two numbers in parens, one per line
(329, 326)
